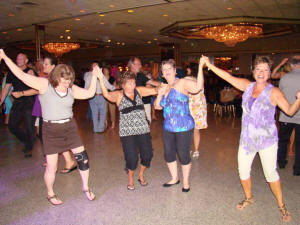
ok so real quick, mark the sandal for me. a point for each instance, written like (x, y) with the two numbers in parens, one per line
(68, 170)
(88, 191)
(130, 187)
(143, 183)
(286, 216)
(49, 198)
(243, 204)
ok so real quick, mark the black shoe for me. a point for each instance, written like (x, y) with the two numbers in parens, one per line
(169, 185)
(185, 189)
(296, 173)
(282, 164)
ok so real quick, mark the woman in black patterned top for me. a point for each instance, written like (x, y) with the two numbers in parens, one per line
(133, 127)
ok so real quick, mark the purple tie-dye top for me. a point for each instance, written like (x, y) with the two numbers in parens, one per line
(259, 130)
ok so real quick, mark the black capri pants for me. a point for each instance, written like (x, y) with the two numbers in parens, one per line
(180, 143)
(135, 144)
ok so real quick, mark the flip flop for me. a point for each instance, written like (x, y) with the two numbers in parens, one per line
(131, 188)
(143, 183)
(90, 193)
(49, 198)
(68, 170)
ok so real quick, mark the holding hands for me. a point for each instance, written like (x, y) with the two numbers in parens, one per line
(162, 89)
(203, 60)
(97, 71)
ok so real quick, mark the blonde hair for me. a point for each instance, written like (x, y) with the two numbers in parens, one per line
(61, 71)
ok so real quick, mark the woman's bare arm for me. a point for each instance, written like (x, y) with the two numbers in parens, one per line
(32, 81)
(239, 83)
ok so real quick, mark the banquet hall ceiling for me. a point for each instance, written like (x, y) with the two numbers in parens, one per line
(111, 21)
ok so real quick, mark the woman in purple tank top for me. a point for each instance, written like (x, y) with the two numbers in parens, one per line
(259, 132)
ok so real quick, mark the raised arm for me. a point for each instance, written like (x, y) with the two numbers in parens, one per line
(275, 74)
(239, 83)
(37, 83)
(160, 93)
(192, 86)
(279, 99)
(110, 96)
(146, 91)
(82, 93)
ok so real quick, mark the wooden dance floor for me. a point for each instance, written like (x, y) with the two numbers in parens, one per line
(215, 186)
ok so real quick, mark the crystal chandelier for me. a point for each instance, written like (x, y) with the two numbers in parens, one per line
(59, 48)
(231, 34)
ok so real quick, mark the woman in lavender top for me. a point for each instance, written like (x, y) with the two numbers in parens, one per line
(259, 132)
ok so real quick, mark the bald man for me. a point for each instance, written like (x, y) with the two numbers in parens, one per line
(22, 106)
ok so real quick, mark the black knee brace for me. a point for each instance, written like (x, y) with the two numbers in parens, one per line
(82, 160)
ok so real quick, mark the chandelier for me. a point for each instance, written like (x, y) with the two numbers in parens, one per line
(231, 34)
(59, 48)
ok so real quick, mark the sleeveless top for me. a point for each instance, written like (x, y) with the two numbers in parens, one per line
(132, 116)
(259, 130)
(176, 112)
(55, 107)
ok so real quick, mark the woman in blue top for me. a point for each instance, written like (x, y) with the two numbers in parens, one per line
(178, 124)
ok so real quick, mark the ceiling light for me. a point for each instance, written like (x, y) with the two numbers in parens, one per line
(130, 11)
(229, 8)
(101, 15)
(69, 37)
(77, 19)
(58, 48)
(102, 23)
(111, 6)
(123, 43)
(82, 11)
(118, 43)
(231, 34)
(19, 29)
(108, 41)
(165, 15)
(61, 37)
(67, 31)
(139, 30)
(155, 39)
(149, 42)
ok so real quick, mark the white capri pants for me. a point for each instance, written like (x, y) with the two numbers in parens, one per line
(268, 158)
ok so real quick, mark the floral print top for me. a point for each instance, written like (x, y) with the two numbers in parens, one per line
(259, 130)
(176, 112)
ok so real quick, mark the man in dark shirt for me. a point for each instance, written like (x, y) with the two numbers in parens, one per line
(135, 65)
(22, 106)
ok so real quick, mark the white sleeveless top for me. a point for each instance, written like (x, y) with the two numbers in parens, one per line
(56, 107)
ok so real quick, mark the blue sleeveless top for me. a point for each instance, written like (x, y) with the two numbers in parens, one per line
(176, 112)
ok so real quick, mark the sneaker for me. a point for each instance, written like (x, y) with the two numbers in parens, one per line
(196, 154)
